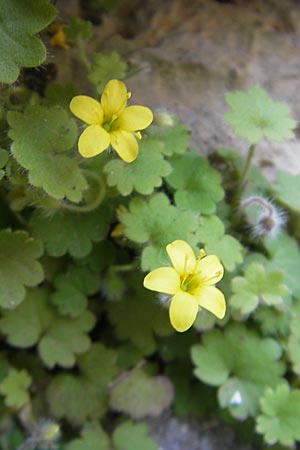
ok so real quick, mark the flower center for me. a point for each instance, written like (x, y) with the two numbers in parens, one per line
(190, 282)
(110, 124)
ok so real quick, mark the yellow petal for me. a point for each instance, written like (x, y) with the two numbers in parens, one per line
(125, 145)
(182, 256)
(164, 279)
(210, 269)
(135, 118)
(183, 311)
(87, 109)
(212, 299)
(93, 140)
(114, 98)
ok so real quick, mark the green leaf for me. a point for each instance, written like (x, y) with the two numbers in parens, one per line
(4, 157)
(20, 21)
(60, 94)
(228, 249)
(286, 187)
(70, 232)
(15, 388)
(91, 439)
(257, 286)
(18, 266)
(280, 415)
(140, 395)
(197, 185)
(274, 321)
(41, 136)
(211, 229)
(78, 29)
(293, 345)
(59, 339)
(65, 339)
(138, 317)
(241, 363)
(72, 289)
(105, 67)
(82, 397)
(285, 256)
(255, 115)
(158, 222)
(143, 175)
(23, 326)
(173, 139)
(130, 436)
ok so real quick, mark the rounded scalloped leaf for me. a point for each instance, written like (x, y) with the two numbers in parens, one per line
(257, 286)
(280, 416)
(106, 66)
(140, 395)
(18, 266)
(228, 249)
(20, 21)
(70, 232)
(91, 439)
(255, 115)
(143, 175)
(132, 436)
(41, 136)
(15, 388)
(286, 187)
(241, 363)
(83, 397)
(158, 222)
(197, 185)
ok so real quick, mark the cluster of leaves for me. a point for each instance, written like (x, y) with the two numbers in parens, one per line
(81, 336)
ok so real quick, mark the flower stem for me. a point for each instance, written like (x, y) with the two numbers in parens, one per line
(82, 53)
(247, 166)
(95, 203)
(124, 267)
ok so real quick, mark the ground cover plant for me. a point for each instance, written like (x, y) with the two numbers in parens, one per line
(137, 275)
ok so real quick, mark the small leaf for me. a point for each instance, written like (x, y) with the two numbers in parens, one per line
(91, 439)
(143, 175)
(228, 249)
(255, 115)
(280, 415)
(140, 395)
(83, 397)
(78, 29)
(41, 136)
(241, 363)
(65, 339)
(257, 287)
(18, 266)
(197, 185)
(72, 289)
(211, 229)
(59, 339)
(285, 256)
(171, 139)
(139, 318)
(130, 436)
(18, 45)
(70, 232)
(15, 388)
(105, 67)
(158, 222)
(286, 187)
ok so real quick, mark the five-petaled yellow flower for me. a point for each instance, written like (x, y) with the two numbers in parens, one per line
(110, 122)
(191, 282)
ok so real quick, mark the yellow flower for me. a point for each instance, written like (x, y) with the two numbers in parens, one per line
(110, 122)
(58, 38)
(191, 282)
